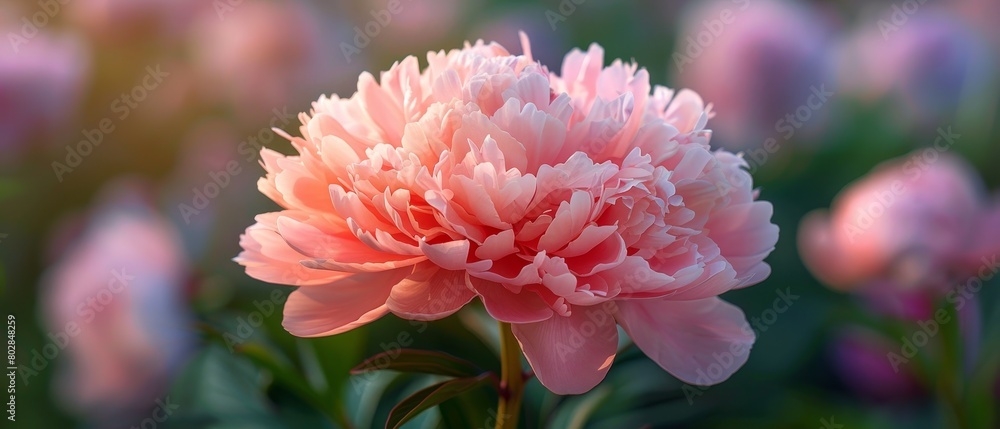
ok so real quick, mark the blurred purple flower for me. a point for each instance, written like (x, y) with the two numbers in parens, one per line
(929, 65)
(41, 84)
(863, 358)
(756, 62)
(116, 300)
(859, 358)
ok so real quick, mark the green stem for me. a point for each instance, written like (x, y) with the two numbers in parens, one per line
(511, 381)
(949, 380)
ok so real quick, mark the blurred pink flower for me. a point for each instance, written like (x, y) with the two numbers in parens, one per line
(121, 285)
(911, 222)
(263, 55)
(565, 203)
(982, 14)
(415, 23)
(41, 83)
(930, 65)
(756, 62)
(124, 21)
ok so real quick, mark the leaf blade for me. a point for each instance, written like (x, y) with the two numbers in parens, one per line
(418, 361)
(430, 397)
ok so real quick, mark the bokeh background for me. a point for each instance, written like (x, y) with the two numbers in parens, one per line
(129, 132)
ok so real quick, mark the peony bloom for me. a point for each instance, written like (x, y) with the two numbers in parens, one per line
(121, 285)
(911, 222)
(758, 62)
(41, 83)
(567, 203)
(930, 66)
(262, 55)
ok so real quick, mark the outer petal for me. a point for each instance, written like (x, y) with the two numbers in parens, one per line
(507, 306)
(570, 355)
(338, 307)
(701, 342)
(268, 257)
(822, 255)
(429, 294)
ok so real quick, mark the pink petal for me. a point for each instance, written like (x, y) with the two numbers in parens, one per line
(507, 306)
(268, 257)
(430, 294)
(340, 306)
(452, 255)
(701, 342)
(572, 354)
(328, 252)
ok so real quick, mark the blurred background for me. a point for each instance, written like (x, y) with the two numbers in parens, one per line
(129, 139)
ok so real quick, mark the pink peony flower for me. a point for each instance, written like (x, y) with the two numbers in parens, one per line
(758, 62)
(930, 66)
(115, 305)
(567, 203)
(912, 221)
(41, 83)
(262, 55)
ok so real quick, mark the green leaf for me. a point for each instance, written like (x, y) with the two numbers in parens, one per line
(419, 361)
(220, 390)
(282, 372)
(474, 409)
(577, 410)
(429, 397)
